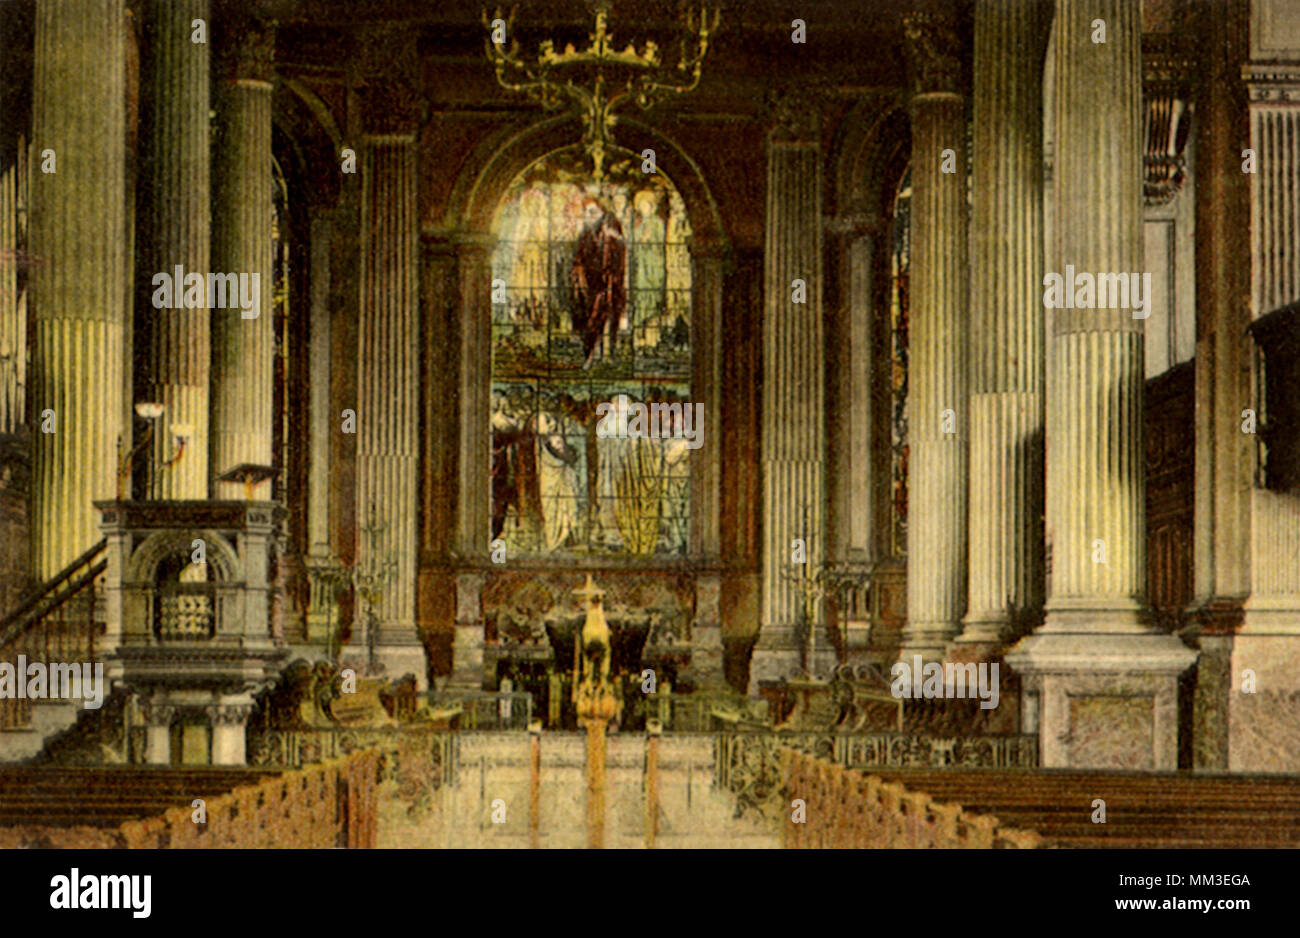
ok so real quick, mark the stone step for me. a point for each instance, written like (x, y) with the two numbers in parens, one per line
(48, 719)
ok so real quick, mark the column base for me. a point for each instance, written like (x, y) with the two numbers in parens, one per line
(772, 660)
(1271, 617)
(706, 669)
(1263, 703)
(983, 629)
(930, 640)
(467, 657)
(467, 643)
(1104, 700)
(398, 660)
(822, 663)
(966, 648)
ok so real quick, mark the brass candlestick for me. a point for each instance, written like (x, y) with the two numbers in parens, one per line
(596, 703)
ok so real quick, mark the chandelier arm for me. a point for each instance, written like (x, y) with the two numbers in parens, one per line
(595, 108)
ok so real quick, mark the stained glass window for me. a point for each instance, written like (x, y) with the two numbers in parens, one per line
(591, 306)
(898, 310)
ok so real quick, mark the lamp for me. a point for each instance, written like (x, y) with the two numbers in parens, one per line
(181, 432)
(146, 410)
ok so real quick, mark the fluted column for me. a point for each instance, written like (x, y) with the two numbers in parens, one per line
(387, 415)
(79, 275)
(1006, 400)
(793, 408)
(1095, 460)
(1274, 91)
(13, 315)
(936, 405)
(176, 232)
(323, 419)
(1106, 683)
(243, 349)
(1261, 719)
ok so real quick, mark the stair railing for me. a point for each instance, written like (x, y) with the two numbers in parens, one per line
(54, 623)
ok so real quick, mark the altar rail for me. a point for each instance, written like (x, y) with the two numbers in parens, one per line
(891, 750)
(434, 749)
(333, 804)
(849, 809)
(903, 750)
(486, 710)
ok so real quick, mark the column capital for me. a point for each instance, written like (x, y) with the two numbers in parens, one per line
(710, 250)
(157, 713)
(470, 245)
(856, 221)
(245, 50)
(932, 48)
(1168, 66)
(793, 116)
(389, 83)
(391, 108)
(229, 714)
(1278, 84)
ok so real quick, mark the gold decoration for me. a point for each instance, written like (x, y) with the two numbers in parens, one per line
(555, 78)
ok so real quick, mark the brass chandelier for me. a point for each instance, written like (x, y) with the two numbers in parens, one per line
(577, 78)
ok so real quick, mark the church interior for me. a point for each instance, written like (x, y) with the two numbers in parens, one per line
(652, 423)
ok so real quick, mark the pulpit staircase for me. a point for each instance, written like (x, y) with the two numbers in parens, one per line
(58, 621)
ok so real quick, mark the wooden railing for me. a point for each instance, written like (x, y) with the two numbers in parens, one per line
(849, 809)
(54, 623)
(329, 805)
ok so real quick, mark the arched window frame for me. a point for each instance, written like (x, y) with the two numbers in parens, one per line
(542, 502)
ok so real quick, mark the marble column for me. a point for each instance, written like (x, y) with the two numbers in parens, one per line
(79, 297)
(1263, 718)
(387, 415)
(243, 345)
(319, 563)
(440, 310)
(470, 545)
(229, 721)
(175, 234)
(1106, 681)
(1005, 489)
(474, 365)
(157, 716)
(13, 315)
(1225, 456)
(793, 414)
(937, 415)
(1274, 91)
(851, 496)
(707, 271)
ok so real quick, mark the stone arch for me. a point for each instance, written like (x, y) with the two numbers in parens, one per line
(157, 547)
(503, 155)
(874, 147)
(868, 160)
(306, 142)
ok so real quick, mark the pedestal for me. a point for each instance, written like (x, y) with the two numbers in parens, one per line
(1104, 701)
